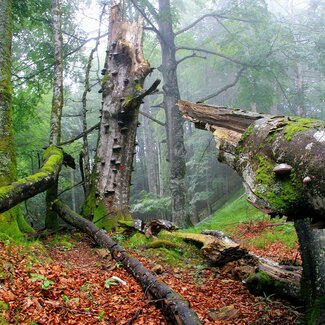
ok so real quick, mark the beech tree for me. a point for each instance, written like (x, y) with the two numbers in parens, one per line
(12, 221)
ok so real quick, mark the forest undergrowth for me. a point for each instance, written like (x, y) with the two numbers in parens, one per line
(67, 279)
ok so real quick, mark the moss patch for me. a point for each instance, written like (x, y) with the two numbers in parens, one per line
(3, 306)
(316, 314)
(283, 192)
(298, 124)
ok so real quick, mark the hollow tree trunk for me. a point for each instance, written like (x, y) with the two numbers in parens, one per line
(174, 307)
(12, 221)
(174, 122)
(281, 160)
(122, 86)
(51, 219)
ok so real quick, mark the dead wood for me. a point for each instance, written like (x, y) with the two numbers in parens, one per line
(174, 307)
(153, 227)
(281, 159)
(217, 251)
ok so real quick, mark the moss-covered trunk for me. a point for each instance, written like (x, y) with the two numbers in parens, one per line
(12, 221)
(51, 219)
(122, 86)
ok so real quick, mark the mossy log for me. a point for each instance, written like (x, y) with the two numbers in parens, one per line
(281, 159)
(28, 187)
(217, 251)
(174, 307)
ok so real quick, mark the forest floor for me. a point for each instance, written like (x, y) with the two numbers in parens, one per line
(67, 280)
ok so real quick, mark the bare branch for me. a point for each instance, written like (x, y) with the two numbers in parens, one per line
(80, 135)
(233, 60)
(225, 88)
(152, 118)
(194, 55)
(216, 16)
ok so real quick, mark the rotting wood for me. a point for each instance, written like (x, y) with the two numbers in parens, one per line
(153, 227)
(216, 250)
(174, 307)
(254, 144)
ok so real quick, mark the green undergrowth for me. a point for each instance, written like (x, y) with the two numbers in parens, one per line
(236, 212)
(170, 250)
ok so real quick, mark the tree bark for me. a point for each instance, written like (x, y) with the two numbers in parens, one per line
(256, 145)
(25, 188)
(174, 307)
(122, 86)
(281, 160)
(11, 222)
(150, 154)
(51, 219)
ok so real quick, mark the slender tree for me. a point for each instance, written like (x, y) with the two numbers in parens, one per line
(51, 220)
(12, 221)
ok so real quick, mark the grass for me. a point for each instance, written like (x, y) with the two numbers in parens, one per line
(238, 211)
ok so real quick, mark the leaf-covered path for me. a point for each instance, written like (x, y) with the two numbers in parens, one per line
(69, 282)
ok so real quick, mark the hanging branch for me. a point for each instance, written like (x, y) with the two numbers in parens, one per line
(225, 88)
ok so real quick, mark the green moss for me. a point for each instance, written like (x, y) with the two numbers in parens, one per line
(261, 283)
(163, 243)
(283, 192)
(3, 305)
(3, 320)
(298, 125)
(316, 314)
(136, 240)
(138, 87)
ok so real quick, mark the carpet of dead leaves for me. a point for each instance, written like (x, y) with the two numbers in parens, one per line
(79, 290)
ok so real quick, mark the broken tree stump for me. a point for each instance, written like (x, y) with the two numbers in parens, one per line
(153, 227)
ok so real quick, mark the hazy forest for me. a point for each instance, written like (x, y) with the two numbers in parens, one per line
(162, 162)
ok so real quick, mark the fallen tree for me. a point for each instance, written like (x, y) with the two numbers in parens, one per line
(281, 160)
(25, 188)
(174, 307)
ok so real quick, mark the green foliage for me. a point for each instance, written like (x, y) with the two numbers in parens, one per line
(148, 203)
(45, 283)
(109, 282)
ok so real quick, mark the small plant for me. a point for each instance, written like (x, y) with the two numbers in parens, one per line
(46, 283)
(101, 316)
(109, 283)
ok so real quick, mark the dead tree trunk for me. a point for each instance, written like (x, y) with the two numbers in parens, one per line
(174, 307)
(281, 160)
(122, 86)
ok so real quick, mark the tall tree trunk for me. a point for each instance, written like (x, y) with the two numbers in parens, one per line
(150, 153)
(51, 219)
(85, 150)
(122, 86)
(299, 83)
(12, 221)
(174, 121)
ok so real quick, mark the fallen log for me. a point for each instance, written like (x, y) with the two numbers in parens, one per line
(281, 159)
(174, 307)
(218, 251)
(29, 186)
(153, 227)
